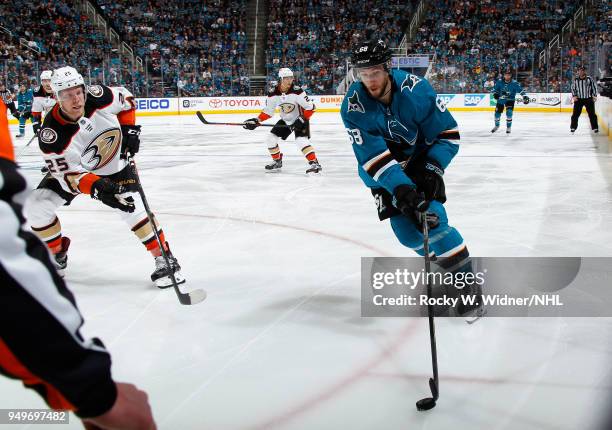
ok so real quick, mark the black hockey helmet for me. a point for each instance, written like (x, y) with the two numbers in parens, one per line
(371, 53)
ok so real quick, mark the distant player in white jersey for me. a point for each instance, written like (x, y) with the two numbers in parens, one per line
(44, 100)
(84, 140)
(296, 108)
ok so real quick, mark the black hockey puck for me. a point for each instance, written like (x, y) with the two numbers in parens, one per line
(426, 404)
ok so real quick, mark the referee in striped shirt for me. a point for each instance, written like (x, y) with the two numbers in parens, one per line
(40, 325)
(584, 93)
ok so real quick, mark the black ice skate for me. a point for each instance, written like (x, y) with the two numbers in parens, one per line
(61, 258)
(495, 129)
(315, 167)
(508, 130)
(275, 165)
(471, 311)
(161, 276)
(20, 135)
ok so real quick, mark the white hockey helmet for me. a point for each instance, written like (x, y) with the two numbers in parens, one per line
(46, 74)
(64, 78)
(285, 73)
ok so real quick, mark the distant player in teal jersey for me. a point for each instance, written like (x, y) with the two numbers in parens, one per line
(25, 98)
(504, 92)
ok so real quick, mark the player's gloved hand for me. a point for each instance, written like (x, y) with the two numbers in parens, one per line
(300, 124)
(428, 176)
(130, 143)
(408, 201)
(495, 96)
(251, 124)
(526, 100)
(109, 193)
(36, 128)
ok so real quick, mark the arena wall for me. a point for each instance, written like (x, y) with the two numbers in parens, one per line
(162, 106)
(603, 106)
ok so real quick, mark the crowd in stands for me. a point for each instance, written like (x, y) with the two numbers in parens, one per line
(55, 33)
(315, 37)
(199, 47)
(474, 41)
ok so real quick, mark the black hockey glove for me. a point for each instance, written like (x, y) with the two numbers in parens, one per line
(408, 201)
(36, 128)
(526, 100)
(428, 176)
(495, 96)
(130, 143)
(109, 193)
(300, 124)
(251, 124)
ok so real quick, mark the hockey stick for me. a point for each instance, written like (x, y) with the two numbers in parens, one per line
(429, 402)
(25, 146)
(191, 298)
(205, 121)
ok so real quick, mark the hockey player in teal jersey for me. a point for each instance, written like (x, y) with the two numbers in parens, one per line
(404, 138)
(25, 98)
(504, 92)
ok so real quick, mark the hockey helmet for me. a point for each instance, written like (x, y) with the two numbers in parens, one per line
(285, 73)
(371, 53)
(46, 75)
(64, 78)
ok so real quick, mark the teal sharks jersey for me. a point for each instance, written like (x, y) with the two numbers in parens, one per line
(415, 124)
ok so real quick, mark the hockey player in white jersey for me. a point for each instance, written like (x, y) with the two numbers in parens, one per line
(44, 100)
(296, 108)
(84, 140)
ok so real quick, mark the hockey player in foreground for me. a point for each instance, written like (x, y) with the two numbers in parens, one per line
(403, 139)
(40, 339)
(504, 92)
(295, 111)
(84, 140)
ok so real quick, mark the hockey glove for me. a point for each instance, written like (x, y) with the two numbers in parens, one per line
(495, 96)
(109, 193)
(36, 128)
(130, 143)
(408, 201)
(428, 176)
(251, 124)
(526, 100)
(300, 124)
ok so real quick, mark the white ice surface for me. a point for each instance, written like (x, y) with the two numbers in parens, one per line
(279, 343)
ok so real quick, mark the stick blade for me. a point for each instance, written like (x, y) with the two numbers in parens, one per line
(201, 117)
(425, 404)
(193, 297)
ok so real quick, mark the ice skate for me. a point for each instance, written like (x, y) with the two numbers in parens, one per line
(508, 130)
(275, 165)
(315, 167)
(60, 259)
(494, 129)
(161, 276)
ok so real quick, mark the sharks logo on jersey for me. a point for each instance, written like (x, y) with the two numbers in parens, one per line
(354, 104)
(399, 133)
(410, 82)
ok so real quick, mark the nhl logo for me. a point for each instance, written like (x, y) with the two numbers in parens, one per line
(95, 90)
(48, 135)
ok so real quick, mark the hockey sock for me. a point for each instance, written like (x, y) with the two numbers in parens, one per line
(497, 118)
(275, 153)
(144, 231)
(51, 234)
(509, 113)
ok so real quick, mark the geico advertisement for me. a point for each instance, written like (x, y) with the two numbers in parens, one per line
(156, 104)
